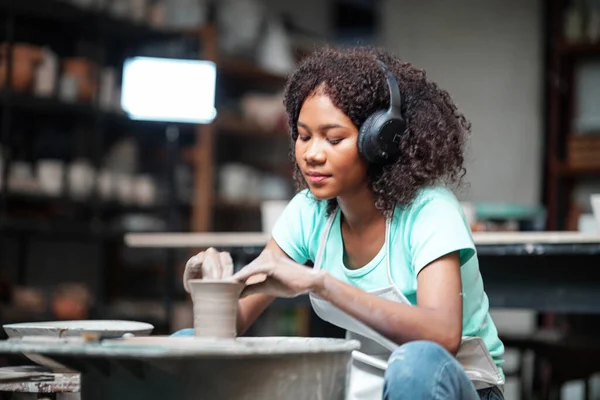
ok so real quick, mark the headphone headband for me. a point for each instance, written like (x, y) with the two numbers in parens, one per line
(379, 136)
(394, 90)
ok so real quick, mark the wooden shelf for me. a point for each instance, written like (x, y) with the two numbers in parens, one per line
(74, 205)
(228, 123)
(562, 176)
(243, 206)
(86, 21)
(52, 105)
(579, 49)
(62, 25)
(564, 169)
(285, 170)
(246, 70)
(56, 229)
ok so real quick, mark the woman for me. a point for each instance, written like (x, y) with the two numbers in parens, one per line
(375, 143)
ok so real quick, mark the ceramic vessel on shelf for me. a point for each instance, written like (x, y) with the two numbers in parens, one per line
(595, 199)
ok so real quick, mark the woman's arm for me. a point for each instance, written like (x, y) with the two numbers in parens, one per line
(437, 317)
(212, 264)
(251, 307)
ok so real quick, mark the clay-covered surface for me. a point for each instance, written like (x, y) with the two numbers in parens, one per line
(77, 328)
(33, 379)
(181, 347)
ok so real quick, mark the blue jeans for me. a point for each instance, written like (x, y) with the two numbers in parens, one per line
(184, 332)
(425, 370)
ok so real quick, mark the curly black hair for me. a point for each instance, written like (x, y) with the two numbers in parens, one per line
(431, 151)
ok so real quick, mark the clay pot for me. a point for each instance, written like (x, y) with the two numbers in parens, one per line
(71, 302)
(25, 60)
(85, 73)
(215, 307)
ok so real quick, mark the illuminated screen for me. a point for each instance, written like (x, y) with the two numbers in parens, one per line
(169, 90)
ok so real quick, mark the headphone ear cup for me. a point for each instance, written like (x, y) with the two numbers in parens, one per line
(368, 137)
(380, 135)
(363, 133)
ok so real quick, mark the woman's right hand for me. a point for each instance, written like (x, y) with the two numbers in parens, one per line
(209, 264)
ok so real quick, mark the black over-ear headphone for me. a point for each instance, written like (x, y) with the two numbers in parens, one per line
(379, 136)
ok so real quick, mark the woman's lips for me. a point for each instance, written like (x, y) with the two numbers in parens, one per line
(316, 178)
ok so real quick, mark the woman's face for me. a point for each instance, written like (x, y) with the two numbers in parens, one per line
(326, 150)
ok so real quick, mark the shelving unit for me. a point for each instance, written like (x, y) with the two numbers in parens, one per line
(561, 174)
(26, 216)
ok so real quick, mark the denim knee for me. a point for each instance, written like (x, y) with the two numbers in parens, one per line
(413, 359)
(424, 369)
(184, 332)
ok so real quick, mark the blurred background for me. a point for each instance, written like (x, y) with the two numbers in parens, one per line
(77, 173)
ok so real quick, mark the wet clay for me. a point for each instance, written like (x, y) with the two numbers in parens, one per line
(215, 307)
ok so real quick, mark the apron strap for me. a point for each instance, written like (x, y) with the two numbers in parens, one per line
(388, 257)
(388, 254)
(323, 240)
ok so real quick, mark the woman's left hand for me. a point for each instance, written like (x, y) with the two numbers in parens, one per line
(278, 276)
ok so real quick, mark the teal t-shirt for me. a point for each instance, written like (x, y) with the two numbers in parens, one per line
(432, 226)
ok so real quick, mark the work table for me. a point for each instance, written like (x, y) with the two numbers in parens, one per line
(532, 243)
(545, 271)
(501, 243)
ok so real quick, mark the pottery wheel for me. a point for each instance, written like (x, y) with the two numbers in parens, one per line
(148, 368)
(241, 346)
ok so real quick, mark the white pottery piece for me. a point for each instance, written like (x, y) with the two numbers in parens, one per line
(270, 211)
(60, 329)
(215, 307)
(595, 200)
(77, 328)
(50, 176)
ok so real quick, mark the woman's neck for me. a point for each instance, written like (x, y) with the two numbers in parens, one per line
(358, 210)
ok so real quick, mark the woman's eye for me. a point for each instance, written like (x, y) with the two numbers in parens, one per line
(334, 141)
(304, 138)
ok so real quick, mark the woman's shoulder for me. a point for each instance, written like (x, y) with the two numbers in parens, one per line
(434, 225)
(298, 229)
(433, 197)
(434, 209)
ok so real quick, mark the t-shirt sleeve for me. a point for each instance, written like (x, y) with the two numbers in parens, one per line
(439, 228)
(292, 230)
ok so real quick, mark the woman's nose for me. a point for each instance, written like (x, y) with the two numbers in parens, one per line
(314, 154)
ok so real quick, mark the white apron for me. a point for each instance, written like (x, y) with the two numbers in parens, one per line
(369, 364)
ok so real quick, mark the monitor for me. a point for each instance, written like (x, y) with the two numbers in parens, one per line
(169, 90)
